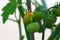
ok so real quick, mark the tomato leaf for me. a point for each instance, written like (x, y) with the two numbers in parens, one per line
(12, 1)
(9, 9)
(5, 16)
(21, 10)
(55, 32)
(53, 35)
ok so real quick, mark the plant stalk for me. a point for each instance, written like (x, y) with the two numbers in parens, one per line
(29, 9)
(21, 13)
(43, 34)
(19, 24)
(58, 36)
(44, 4)
(20, 8)
(28, 34)
(28, 2)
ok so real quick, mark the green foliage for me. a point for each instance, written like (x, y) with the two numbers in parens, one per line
(55, 32)
(9, 9)
(31, 20)
(21, 9)
(13, 1)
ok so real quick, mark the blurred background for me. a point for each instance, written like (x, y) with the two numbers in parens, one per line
(10, 30)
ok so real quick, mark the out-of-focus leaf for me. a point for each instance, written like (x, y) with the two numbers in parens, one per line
(9, 9)
(53, 35)
(5, 16)
(13, 1)
(55, 32)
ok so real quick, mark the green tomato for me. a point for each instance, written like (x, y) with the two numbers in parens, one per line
(50, 18)
(57, 11)
(32, 27)
(38, 15)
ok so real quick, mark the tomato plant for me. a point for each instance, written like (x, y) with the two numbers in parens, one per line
(34, 21)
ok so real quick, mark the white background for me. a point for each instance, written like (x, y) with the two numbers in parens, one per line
(10, 30)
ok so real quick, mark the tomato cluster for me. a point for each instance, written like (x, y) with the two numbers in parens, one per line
(32, 26)
(50, 20)
(32, 19)
(51, 17)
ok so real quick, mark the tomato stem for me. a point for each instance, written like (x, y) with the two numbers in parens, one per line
(21, 13)
(29, 9)
(57, 37)
(19, 24)
(43, 33)
(44, 4)
(15, 15)
(28, 2)
(12, 20)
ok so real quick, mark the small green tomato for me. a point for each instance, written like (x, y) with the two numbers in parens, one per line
(38, 15)
(32, 27)
(50, 18)
(57, 11)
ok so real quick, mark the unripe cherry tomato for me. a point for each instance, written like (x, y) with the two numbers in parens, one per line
(38, 15)
(50, 18)
(32, 27)
(57, 11)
